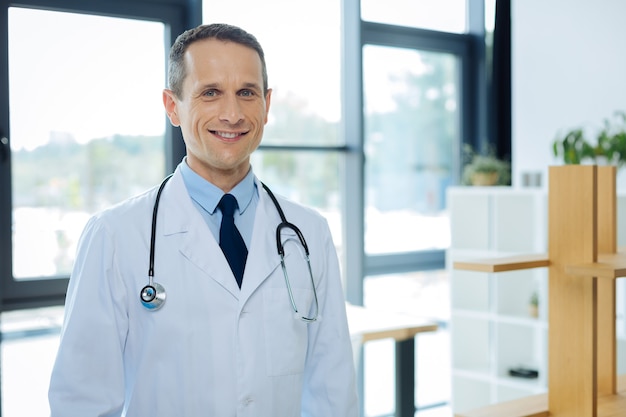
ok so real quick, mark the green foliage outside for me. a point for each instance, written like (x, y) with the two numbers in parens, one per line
(87, 176)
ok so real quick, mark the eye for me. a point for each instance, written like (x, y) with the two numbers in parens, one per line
(246, 93)
(210, 93)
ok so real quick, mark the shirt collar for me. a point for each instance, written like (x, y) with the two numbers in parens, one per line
(208, 195)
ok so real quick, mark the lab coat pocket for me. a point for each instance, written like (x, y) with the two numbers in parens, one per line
(286, 336)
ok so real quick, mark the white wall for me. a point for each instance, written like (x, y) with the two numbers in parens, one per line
(568, 70)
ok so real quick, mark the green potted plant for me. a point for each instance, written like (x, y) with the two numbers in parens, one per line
(533, 305)
(614, 134)
(485, 169)
(609, 145)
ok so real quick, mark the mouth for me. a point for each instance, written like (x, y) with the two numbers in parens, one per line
(228, 136)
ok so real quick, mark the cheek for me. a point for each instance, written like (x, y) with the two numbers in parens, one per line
(192, 128)
(261, 124)
(193, 137)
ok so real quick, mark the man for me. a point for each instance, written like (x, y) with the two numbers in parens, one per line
(218, 344)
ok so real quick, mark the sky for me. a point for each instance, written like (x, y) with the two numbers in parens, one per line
(89, 75)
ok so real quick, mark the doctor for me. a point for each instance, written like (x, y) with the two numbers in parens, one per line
(213, 348)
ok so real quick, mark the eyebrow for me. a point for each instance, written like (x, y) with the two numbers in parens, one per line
(245, 85)
(253, 86)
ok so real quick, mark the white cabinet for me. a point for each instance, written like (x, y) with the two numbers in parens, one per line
(492, 328)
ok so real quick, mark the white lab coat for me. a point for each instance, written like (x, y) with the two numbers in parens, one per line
(212, 350)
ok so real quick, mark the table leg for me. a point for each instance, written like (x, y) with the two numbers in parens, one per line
(405, 378)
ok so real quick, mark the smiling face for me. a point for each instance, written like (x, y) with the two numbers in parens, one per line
(222, 109)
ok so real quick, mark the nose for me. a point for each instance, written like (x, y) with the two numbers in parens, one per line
(230, 110)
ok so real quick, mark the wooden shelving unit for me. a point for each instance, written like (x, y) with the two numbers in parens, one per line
(583, 263)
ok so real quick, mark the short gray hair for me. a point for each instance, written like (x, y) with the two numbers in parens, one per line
(220, 31)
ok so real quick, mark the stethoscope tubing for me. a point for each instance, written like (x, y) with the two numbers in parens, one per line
(152, 296)
(155, 210)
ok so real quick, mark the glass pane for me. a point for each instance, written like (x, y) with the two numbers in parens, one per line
(441, 15)
(411, 134)
(87, 126)
(310, 178)
(303, 63)
(490, 15)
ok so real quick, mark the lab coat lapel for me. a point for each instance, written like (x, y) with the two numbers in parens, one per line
(263, 257)
(185, 229)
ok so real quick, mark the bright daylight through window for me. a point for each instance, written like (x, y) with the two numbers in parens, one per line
(87, 126)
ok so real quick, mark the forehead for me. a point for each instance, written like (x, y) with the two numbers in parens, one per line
(223, 59)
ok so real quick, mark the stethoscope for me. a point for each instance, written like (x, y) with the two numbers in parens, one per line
(153, 295)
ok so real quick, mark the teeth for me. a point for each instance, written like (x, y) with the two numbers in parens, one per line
(227, 135)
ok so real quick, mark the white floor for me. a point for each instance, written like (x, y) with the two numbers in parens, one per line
(27, 361)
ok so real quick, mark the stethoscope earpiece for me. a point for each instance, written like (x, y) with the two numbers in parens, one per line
(152, 296)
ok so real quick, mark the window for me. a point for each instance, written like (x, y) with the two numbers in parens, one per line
(412, 134)
(440, 15)
(85, 135)
(415, 116)
(83, 110)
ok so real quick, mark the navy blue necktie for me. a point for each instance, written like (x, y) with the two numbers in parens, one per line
(231, 242)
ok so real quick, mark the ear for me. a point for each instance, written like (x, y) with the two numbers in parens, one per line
(169, 101)
(268, 99)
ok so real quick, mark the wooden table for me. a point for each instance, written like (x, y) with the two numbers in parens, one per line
(371, 324)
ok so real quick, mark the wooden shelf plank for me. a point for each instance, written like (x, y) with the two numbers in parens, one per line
(611, 265)
(508, 263)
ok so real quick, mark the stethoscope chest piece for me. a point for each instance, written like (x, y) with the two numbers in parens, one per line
(152, 296)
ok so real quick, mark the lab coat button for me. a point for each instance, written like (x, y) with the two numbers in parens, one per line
(246, 401)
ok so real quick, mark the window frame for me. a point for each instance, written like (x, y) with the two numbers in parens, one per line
(454, 44)
(469, 48)
(176, 15)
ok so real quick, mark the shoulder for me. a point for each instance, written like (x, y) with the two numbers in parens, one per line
(127, 214)
(128, 206)
(135, 213)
